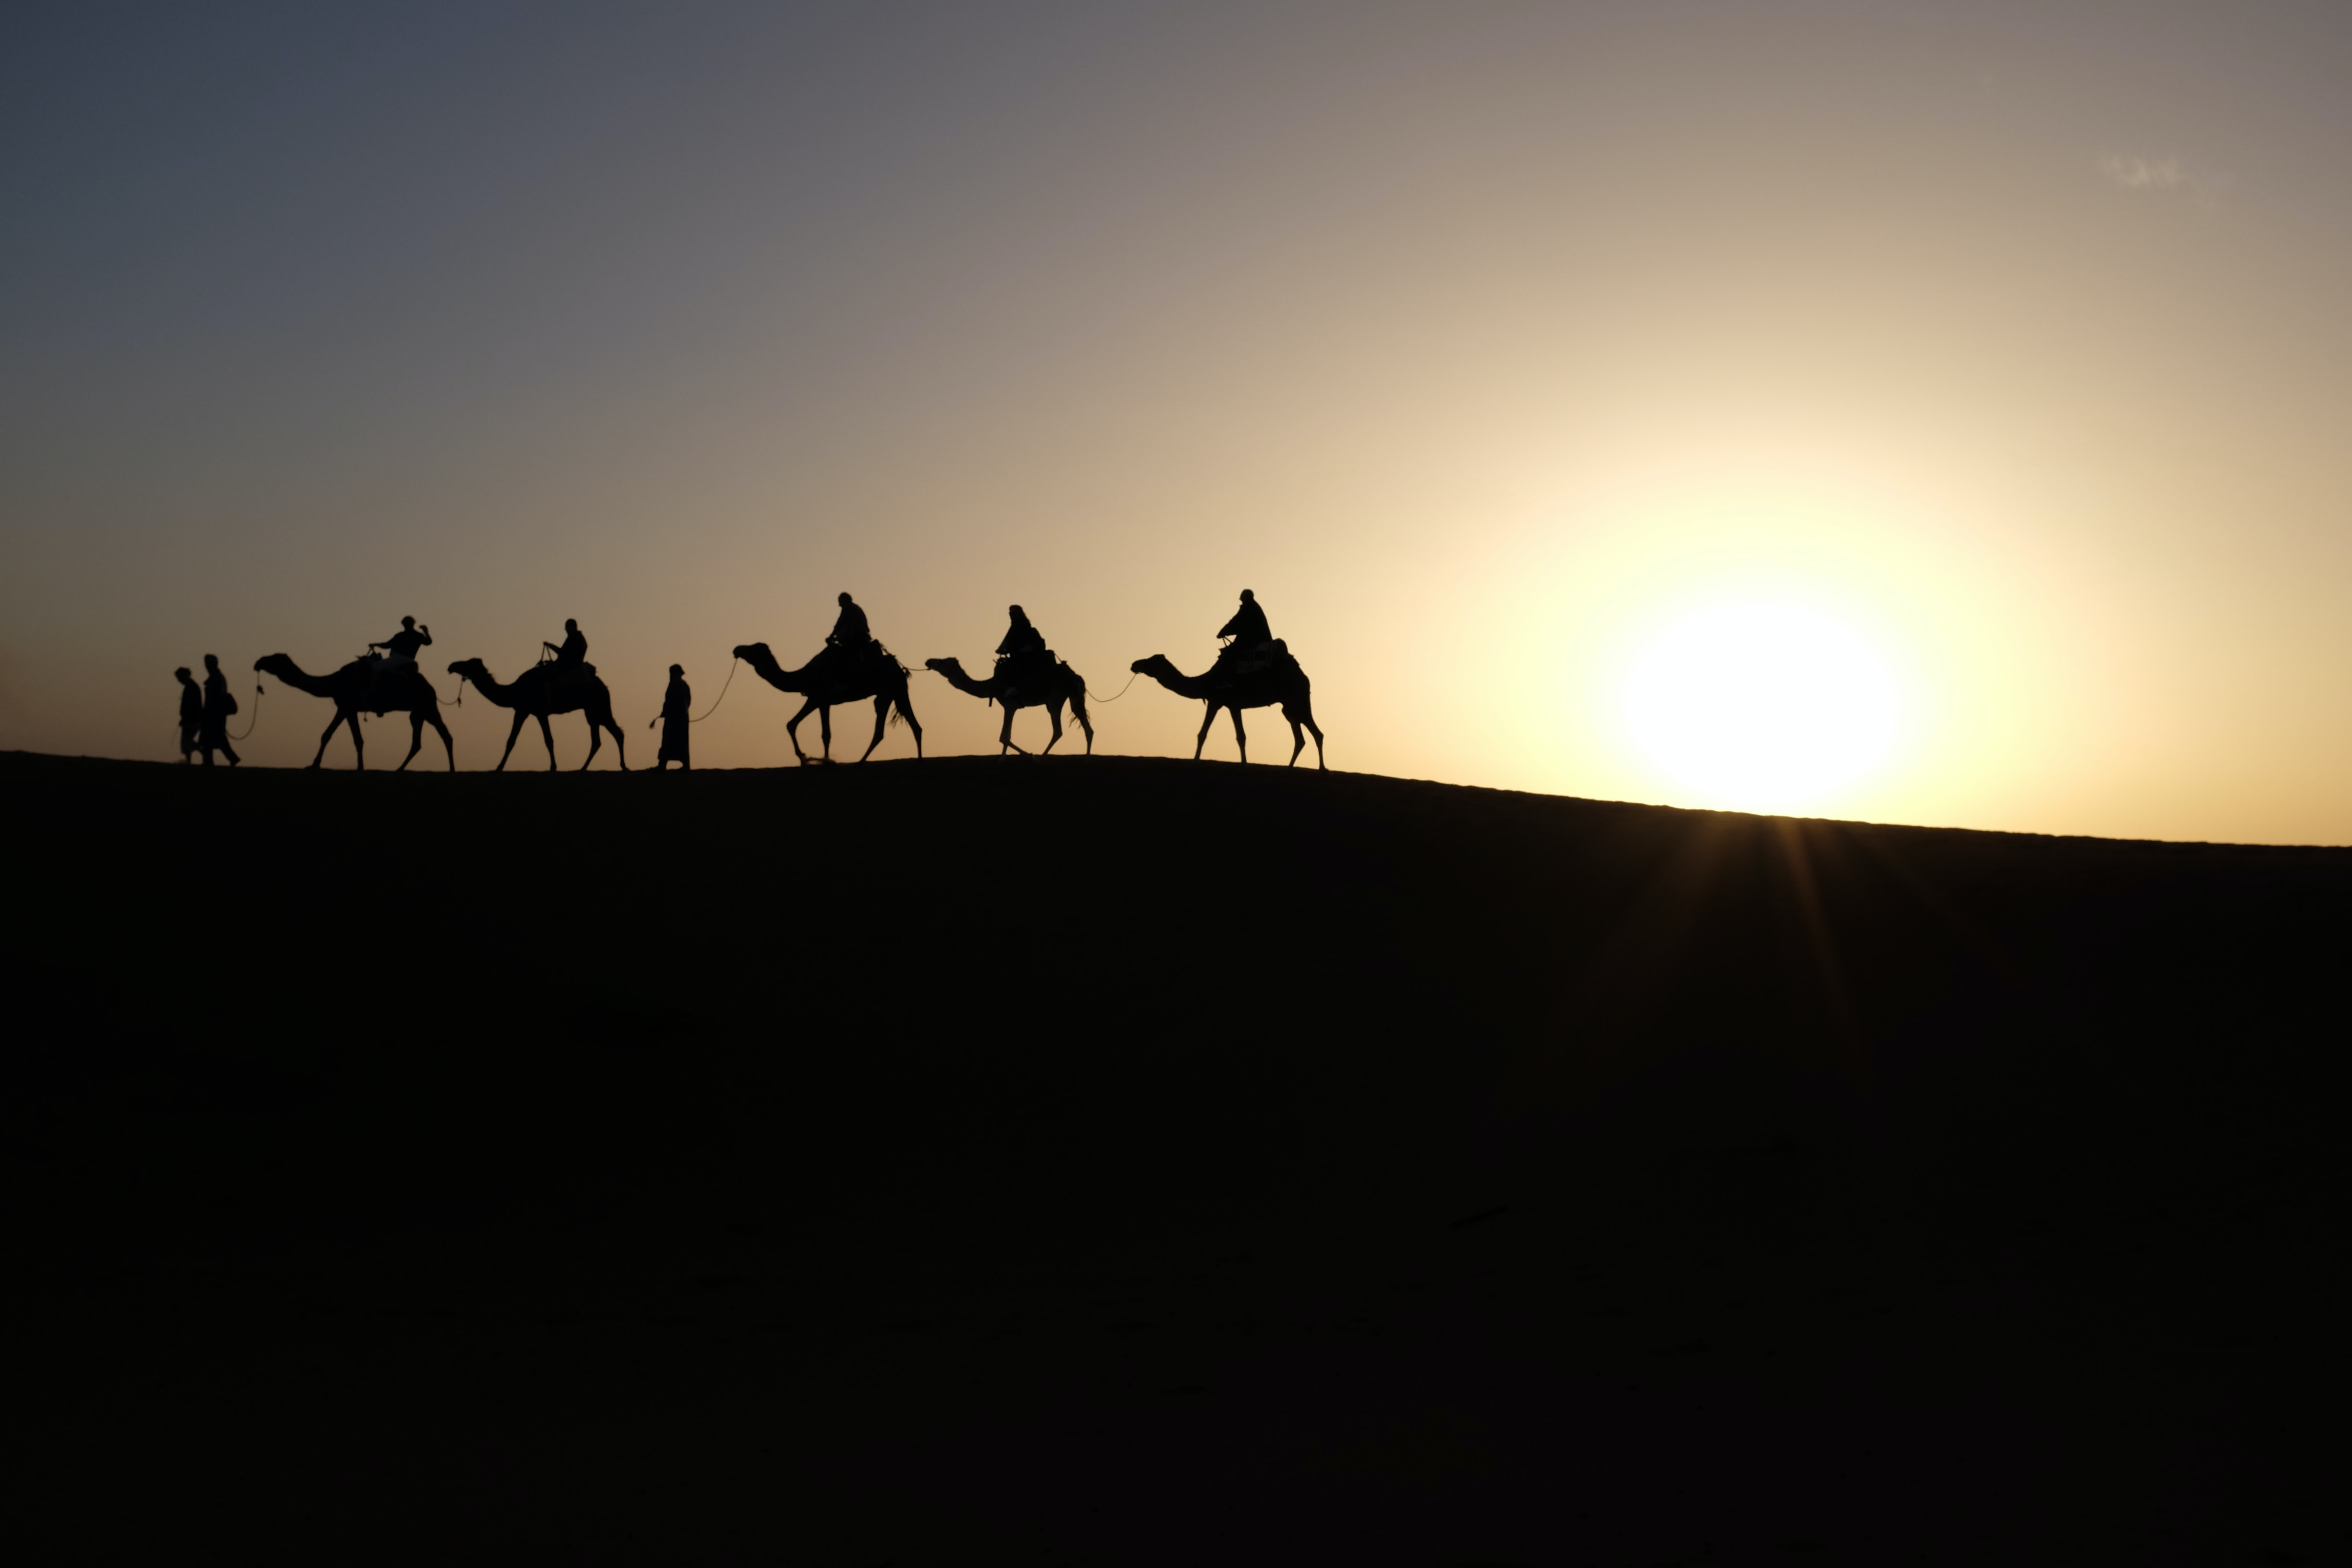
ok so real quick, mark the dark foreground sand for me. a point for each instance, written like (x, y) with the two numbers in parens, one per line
(1125, 1160)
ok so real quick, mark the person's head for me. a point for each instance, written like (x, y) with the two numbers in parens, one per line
(570, 625)
(1017, 613)
(181, 674)
(843, 600)
(1248, 597)
(676, 670)
(408, 623)
(211, 661)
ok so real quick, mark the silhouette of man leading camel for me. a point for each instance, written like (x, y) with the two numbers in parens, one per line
(1253, 669)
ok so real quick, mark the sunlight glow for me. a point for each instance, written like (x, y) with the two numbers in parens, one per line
(1762, 705)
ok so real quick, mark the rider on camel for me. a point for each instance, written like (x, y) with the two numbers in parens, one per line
(572, 655)
(1252, 636)
(1024, 649)
(400, 647)
(851, 639)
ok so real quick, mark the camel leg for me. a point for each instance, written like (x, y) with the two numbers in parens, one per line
(1201, 739)
(596, 742)
(415, 740)
(359, 744)
(1240, 738)
(513, 731)
(882, 717)
(547, 733)
(824, 730)
(1005, 733)
(1305, 715)
(603, 715)
(906, 711)
(448, 744)
(1078, 711)
(792, 730)
(1054, 716)
(328, 735)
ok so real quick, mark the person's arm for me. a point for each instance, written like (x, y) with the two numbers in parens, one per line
(424, 637)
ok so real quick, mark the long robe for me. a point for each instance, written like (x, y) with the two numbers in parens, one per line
(191, 716)
(1248, 628)
(676, 703)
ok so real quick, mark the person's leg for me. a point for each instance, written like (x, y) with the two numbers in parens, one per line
(230, 753)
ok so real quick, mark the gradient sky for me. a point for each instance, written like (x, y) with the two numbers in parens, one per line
(1482, 342)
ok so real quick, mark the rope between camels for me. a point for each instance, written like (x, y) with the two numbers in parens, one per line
(1122, 691)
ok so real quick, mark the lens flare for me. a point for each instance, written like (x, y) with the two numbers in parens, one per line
(1762, 705)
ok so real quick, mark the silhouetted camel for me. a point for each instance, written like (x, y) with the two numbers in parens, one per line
(1281, 683)
(536, 693)
(828, 683)
(1048, 691)
(354, 690)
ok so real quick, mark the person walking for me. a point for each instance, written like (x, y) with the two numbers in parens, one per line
(212, 733)
(192, 712)
(678, 702)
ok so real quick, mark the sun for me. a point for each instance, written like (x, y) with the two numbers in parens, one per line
(1763, 706)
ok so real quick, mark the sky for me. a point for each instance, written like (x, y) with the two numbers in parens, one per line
(1915, 413)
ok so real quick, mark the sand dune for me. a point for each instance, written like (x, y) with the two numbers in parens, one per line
(1115, 1160)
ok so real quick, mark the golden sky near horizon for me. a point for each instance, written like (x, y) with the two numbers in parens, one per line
(1572, 384)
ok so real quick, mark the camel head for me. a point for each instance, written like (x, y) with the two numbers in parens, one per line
(272, 662)
(472, 670)
(754, 651)
(1145, 666)
(944, 665)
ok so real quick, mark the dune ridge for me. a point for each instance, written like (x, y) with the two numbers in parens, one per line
(1147, 1160)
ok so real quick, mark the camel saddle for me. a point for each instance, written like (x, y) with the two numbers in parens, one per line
(385, 674)
(1234, 665)
(1031, 671)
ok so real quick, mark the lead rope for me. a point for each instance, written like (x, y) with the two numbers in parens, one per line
(723, 693)
(249, 724)
(715, 701)
(1122, 691)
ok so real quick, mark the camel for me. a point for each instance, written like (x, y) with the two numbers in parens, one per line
(354, 689)
(536, 693)
(828, 683)
(1050, 691)
(1280, 683)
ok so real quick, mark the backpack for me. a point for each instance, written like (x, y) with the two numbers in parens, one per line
(228, 702)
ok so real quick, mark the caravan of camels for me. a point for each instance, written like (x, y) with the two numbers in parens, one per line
(1252, 670)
